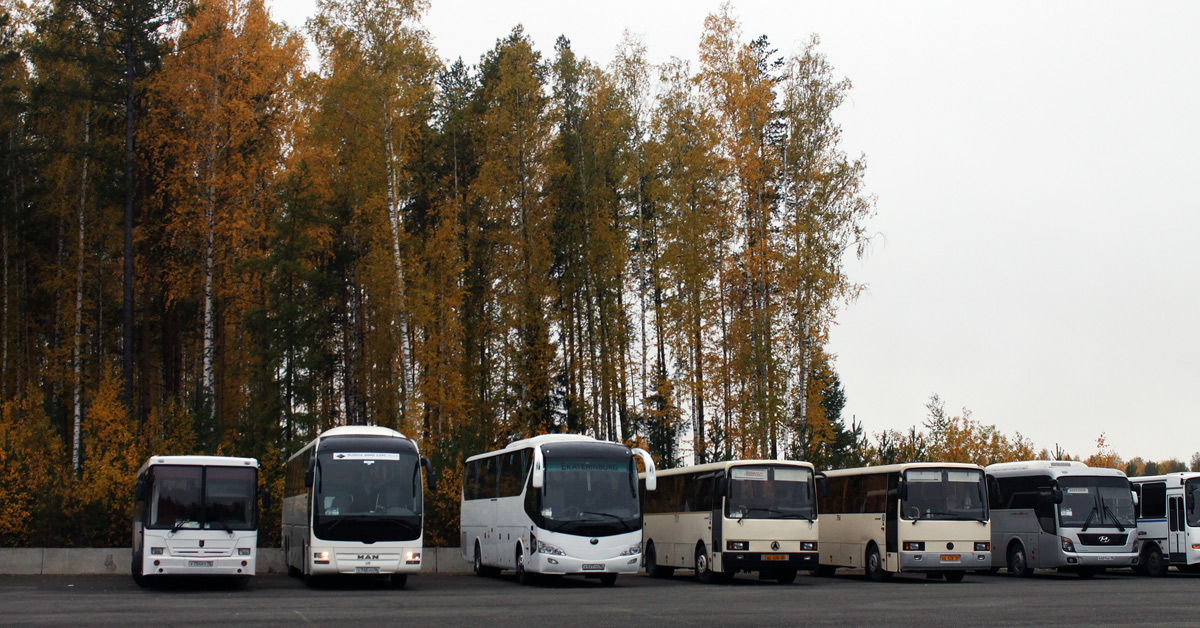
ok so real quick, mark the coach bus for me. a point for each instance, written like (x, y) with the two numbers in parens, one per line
(195, 516)
(1168, 522)
(920, 517)
(353, 505)
(1061, 515)
(725, 517)
(555, 505)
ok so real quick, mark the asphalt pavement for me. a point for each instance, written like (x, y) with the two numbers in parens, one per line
(1046, 599)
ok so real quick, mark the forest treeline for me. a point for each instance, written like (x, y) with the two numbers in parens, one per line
(210, 248)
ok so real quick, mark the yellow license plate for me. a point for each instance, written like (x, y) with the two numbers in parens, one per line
(774, 557)
(950, 558)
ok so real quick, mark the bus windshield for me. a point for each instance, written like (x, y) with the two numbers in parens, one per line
(367, 496)
(185, 497)
(1095, 502)
(591, 495)
(770, 492)
(944, 494)
(1191, 491)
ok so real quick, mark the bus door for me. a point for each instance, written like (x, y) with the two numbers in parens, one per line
(720, 490)
(1176, 530)
(892, 514)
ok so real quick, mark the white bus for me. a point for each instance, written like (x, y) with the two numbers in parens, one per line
(555, 504)
(1061, 515)
(196, 516)
(726, 517)
(1168, 519)
(922, 517)
(353, 505)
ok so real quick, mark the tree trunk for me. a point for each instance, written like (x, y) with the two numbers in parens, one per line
(127, 267)
(77, 333)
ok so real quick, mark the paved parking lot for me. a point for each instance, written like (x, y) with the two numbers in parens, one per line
(1047, 599)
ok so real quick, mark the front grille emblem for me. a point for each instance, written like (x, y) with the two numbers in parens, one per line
(1103, 539)
(775, 545)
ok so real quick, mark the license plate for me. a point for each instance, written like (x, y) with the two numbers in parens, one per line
(366, 570)
(590, 567)
(774, 556)
(950, 558)
(200, 563)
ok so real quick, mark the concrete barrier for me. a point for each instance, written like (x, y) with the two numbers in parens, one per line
(58, 561)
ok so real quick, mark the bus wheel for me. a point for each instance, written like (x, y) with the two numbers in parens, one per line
(787, 576)
(1087, 573)
(824, 571)
(136, 571)
(399, 580)
(523, 576)
(1152, 561)
(704, 571)
(652, 567)
(874, 565)
(955, 576)
(1017, 564)
(608, 579)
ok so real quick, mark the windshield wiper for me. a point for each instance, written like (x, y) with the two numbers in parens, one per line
(182, 522)
(607, 514)
(224, 525)
(782, 515)
(1111, 515)
(1087, 521)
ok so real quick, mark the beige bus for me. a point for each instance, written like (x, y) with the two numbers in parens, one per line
(726, 517)
(917, 517)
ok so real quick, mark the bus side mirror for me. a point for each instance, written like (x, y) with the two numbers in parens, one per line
(651, 471)
(265, 496)
(308, 475)
(140, 490)
(539, 469)
(823, 484)
(993, 486)
(430, 475)
(1057, 495)
(1135, 498)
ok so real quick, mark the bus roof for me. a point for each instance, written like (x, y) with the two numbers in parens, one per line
(349, 430)
(1051, 468)
(206, 461)
(898, 468)
(714, 466)
(1178, 475)
(546, 439)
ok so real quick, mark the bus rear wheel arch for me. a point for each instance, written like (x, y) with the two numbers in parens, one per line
(653, 569)
(1152, 561)
(704, 572)
(873, 565)
(524, 576)
(1018, 560)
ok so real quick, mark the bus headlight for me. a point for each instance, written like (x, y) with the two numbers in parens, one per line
(914, 546)
(546, 548)
(632, 550)
(983, 547)
(412, 558)
(737, 546)
(808, 546)
(156, 551)
(243, 551)
(1067, 544)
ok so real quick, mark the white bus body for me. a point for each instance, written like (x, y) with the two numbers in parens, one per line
(1168, 522)
(1061, 515)
(554, 504)
(353, 505)
(196, 516)
(726, 517)
(922, 517)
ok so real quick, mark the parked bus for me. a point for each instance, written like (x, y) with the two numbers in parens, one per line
(353, 505)
(195, 516)
(1168, 522)
(726, 517)
(555, 504)
(921, 517)
(1061, 515)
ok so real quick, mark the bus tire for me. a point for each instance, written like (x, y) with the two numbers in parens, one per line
(292, 570)
(135, 570)
(873, 565)
(524, 576)
(704, 572)
(608, 579)
(653, 569)
(399, 580)
(1087, 573)
(787, 576)
(824, 571)
(1153, 564)
(1018, 564)
(955, 576)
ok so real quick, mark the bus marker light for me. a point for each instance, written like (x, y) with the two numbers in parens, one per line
(914, 546)
(244, 563)
(1195, 546)
(157, 563)
(552, 561)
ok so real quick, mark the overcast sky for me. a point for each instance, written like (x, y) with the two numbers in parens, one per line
(1036, 167)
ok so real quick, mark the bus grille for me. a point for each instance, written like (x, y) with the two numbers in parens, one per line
(1103, 539)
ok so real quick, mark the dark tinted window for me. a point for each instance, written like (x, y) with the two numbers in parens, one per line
(1153, 500)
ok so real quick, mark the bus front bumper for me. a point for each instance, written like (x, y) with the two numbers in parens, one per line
(1114, 560)
(365, 563)
(944, 561)
(759, 561)
(199, 566)
(559, 564)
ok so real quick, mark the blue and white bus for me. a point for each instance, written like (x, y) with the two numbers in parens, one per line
(1168, 521)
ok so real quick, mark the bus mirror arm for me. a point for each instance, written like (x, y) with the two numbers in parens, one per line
(539, 469)
(430, 474)
(651, 471)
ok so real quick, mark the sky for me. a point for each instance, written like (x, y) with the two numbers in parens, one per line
(1036, 256)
